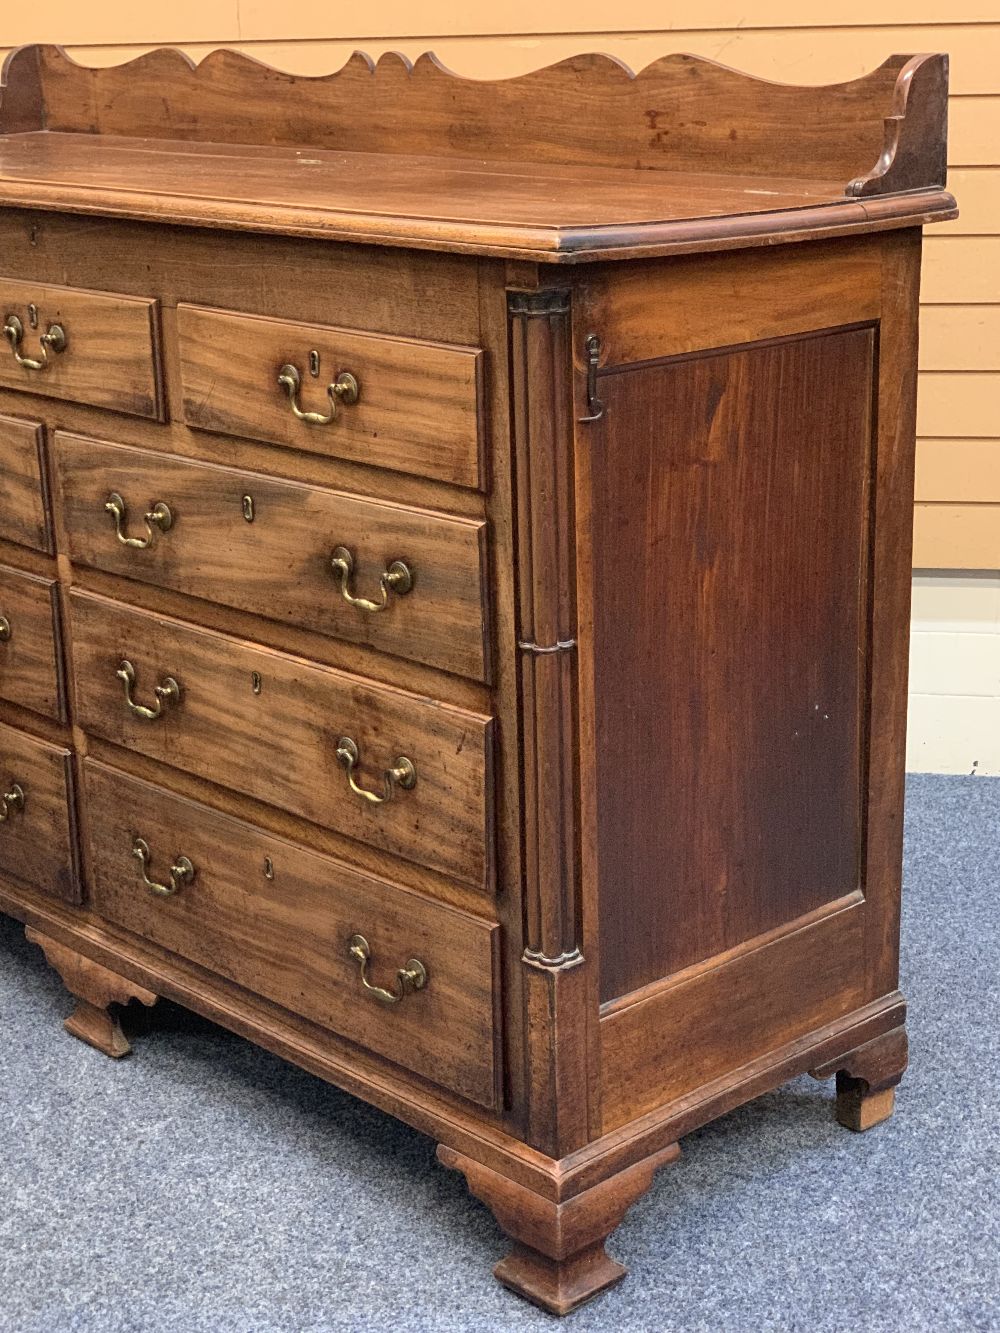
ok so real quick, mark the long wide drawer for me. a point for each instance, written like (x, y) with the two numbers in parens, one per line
(100, 348)
(272, 726)
(280, 921)
(37, 814)
(269, 546)
(30, 655)
(408, 405)
(24, 513)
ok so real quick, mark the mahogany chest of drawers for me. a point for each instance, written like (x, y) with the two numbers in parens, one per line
(454, 568)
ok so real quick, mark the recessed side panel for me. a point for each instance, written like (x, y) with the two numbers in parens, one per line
(730, 550)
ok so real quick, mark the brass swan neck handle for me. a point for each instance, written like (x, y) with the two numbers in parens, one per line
(181, 872)
(53, 340)
(403, 773)
(158, 519)
(396, 578)
(166, 692)
(10, 801)
(410, 978)
(344, 389)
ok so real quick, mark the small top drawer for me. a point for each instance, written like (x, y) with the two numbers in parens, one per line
(87, 347)
(393, 402)
(24, 513)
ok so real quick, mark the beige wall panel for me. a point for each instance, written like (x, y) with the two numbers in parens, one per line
(958, 405)
(311, 18)
(974, 130)
(962, 269)
(965, 471)
(960, 337)
(977, 190)
(117, 22)
(791, 55)
(776, 39)
(969, 533)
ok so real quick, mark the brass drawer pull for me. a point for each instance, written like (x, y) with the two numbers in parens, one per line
(344, 389)
(158, 519)
(53, 340)
(167, 692)
(5, 630)
(409, 978)
(10, 801)
(398, 579)
(181, 872)
(402, 774)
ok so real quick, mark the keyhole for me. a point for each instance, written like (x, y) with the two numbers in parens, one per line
(314, 363)
(33, 315)
(268, 868)
(255, 682)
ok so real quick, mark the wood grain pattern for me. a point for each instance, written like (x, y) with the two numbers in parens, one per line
(721, 300)
(38, 843)
(512, 211)
(285, 934)
(278, 565)
(31, 669)
(415, 156)
(24, 511)
(110, 360)
(681, 112)
(279, 745)
(710, 1019)
(418, 408)
(732, 767)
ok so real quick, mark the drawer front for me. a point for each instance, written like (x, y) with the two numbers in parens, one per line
(37, 819)
(108, 357)
(270, 725)
(30, 655)
(418, 404)
(24, 513)
(278, 919)
(267, 546)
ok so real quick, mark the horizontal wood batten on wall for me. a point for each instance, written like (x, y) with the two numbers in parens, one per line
(960, 337)
(971, 531)
(964, 269)
(963, 471)
(958, 404)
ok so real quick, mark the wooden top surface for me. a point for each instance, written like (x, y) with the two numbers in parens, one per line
(396, 155)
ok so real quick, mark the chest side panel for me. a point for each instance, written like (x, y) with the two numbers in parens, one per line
(730, 552)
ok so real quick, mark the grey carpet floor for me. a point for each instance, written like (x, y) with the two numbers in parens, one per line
(204, 1185)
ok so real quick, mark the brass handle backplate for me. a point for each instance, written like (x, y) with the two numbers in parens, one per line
(402, 774)
(157, 519)
(397, 578)
(5, 630)
(181, 872)
(52, 340)
(166, 692)
(10, 801)
(409, 978)
(344, 389)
